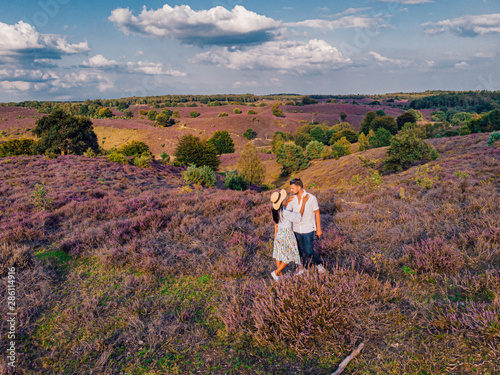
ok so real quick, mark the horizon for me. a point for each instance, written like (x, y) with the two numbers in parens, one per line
(57, 51)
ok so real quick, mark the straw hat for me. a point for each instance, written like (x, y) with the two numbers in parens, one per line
(277, 198)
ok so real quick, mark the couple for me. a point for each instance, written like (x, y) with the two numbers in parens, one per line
(300, 213)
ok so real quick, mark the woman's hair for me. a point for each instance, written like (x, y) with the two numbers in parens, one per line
(277, 214)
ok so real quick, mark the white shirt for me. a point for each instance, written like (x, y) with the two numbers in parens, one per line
(288, 218)
(308, 222)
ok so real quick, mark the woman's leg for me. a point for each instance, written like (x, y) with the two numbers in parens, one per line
(280, 268)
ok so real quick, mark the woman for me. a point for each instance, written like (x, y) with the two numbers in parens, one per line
(285, 249)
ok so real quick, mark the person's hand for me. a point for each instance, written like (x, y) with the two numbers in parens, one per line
(289, 200)
(306, 198)
(319, 232)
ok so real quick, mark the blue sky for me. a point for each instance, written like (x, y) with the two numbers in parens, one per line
(74, 50)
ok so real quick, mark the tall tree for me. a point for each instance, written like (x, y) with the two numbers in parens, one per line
(223, 142)
(249, 165)
(193, 150)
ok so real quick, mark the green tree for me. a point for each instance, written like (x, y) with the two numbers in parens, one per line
(291, 157)
(406, 149)
(364, 143)
(314, 150)
(249, 134)
(105, 113)
(133, 148)
(192, 150)
(367, 122)
(127, 113)
(60, 132)
(351, 135)
(382, 138)
(250, 167)
(380, 113)
(319, 134)
(223, 142)
(386, 122)
(152, 115)
(343, 116)
(237, 111)
(404, 118)
(276, 142)
(302, 139)
(276, 110)
(194, 114)
(341, 148)
(417, 114)
(16, 147)
(199, 175)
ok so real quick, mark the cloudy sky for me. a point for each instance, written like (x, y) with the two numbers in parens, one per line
(73, 50)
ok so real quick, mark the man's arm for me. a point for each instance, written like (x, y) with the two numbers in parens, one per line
(319, 232)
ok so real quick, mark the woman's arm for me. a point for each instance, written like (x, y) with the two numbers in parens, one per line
(304, 200)
(275, 230)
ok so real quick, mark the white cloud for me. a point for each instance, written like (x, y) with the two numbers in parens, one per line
(15, 85)
(213, 26)
(351, 11)
(139, 53)
(99, 61)
(287, 56)
(461, 65)
(466, 26)
(382, 59)
(23, 41)
(408, 2)
(342, 23)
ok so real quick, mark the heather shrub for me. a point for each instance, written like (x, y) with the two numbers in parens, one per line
(234, 182)
(405, 150)
(495, 136)
(199, 175)
(436, 256)
(14, 255)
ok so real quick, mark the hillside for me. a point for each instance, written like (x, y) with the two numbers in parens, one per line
(124, 270)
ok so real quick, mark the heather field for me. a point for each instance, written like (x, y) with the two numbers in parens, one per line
(125, 270)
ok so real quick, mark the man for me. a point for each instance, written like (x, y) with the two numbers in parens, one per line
(310, 223)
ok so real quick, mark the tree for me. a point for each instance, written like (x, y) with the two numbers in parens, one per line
(276, 110)
(314, 150)
(127, 113)
(380, 113)
(152, 115)
(343, 116)
(276, 142)
(406, 149)
(341, 148)
(60, 132)
(194, 114)
(418, 115)
(122, 106)
(307, 100)
(105, 113)
(291, 157)
(302, 139)
(133, 148)
(351, 136)
(223, 142)
(319, 134)
(249, 134)
(382, 138)
(386, 122)
(192, 150)
(250, 167)
(367, 122)
(364, 143)
(164, 120)
(404, 118)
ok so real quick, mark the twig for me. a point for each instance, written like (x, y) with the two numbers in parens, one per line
(348, 359)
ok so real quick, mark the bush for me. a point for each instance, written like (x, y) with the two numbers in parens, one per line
(302, 139)
(386, 122)
(143, 112)
(234, 182)
(17, 147)
(237, 111)
(105, 113)
(194, 114)
(199, 175)
(251, 112)
(249, 134)
(381, 138)
(250, 166)
(127, 113)
(276, 110)
(436, 256)
(464, 130)
(165, 158)
(341, 148)
(364, 143)
(176, 114)
(133, 148)
(192, 150)
(117, 157)
(314, 150)
(291, 157)
(152, 115)
(404, 118)
(495, 136)
(350, 135)
(406, 149)
(142, 160)
(164, 120)
(222, 142)
(223, 114)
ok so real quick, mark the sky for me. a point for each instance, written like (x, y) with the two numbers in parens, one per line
(76, 50)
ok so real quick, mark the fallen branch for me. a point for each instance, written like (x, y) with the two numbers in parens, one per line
(348, 359)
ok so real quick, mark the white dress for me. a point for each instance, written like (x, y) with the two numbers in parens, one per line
(285, 246)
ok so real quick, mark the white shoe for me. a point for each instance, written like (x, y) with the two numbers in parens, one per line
(321, 269)
(276, 278)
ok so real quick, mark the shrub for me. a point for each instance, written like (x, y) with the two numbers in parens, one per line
(386, 122)
(291, 157)
(167, 112)
(349, 134)
(251, 112)
(133, 148)
(406, 149)
(250, 167)
(464, 130)
(105, 113)
(176, 114)
(364, 143)
(199, 175)
(17, 147)
(234, 182)
(39, 197)
(222, 142)
(164, 120)
(435, 255)
(314, 150)
(143, 112)
(237, 111)
(381, 138)
(117, 157)
(495, 136)
(302, 139)
(276, 110)
(249, 134)
(194, 114)
(152, 115)
(165, 158)
(192, 150)
(127, 113)
(341, 148)
(223, 114)
(404, 118)
(143, 160)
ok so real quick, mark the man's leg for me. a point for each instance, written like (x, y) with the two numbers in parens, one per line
(309, 248)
